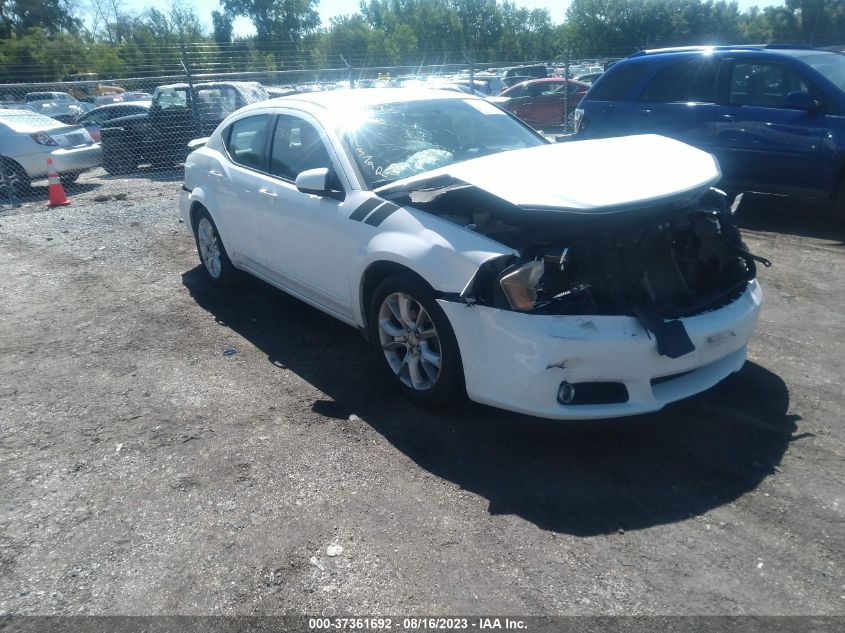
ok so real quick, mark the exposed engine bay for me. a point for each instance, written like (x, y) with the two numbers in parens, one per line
(660, 261)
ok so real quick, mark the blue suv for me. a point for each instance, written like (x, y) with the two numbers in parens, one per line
(774, 116)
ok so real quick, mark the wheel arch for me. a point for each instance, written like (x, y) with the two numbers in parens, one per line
(376, 272)
(15, 165)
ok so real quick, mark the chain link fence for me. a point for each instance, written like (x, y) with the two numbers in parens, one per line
(138, 126)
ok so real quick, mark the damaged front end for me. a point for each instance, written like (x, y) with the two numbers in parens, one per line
(657, 261)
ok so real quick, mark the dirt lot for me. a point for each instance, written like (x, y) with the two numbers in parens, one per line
(145, 472)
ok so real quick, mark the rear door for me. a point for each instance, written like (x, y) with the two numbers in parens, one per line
(761, 143)
(610, 107)
(235, 184)
(679, 102)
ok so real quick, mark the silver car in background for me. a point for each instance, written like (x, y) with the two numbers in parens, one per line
(28, 139)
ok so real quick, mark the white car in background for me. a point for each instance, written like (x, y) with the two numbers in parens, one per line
(27, 139)
(575, 280)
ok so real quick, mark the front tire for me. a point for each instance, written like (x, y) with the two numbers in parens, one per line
(215, 261)
(414, 341)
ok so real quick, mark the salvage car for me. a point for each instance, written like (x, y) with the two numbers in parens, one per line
(475, 255)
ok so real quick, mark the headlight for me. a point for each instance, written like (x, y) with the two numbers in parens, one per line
(520, 285)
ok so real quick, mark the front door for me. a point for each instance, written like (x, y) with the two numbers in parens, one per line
(307, 240)
(761, 143)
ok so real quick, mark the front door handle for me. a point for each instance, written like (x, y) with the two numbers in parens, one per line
(267, 192)
(645, 112)
(729, 118)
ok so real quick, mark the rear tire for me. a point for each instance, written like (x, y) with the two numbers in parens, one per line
(215, 260)
(13, 176)
(414, 341)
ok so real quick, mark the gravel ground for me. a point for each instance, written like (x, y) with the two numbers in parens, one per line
(145, 472)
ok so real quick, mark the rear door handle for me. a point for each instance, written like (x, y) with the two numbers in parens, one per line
(645, 112)
(267, 192)
(730, 118)
(214, 172)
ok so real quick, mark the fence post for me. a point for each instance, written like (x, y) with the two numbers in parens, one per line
(349, 69)
(195, 115)
(566, 98)
(471, 72)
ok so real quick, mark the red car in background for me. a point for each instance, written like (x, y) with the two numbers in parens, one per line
(540, 102)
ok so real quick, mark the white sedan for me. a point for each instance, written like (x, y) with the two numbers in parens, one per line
(28, 139)
(576, 280)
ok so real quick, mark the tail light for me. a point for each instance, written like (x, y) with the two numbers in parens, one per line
(578, 118)
(43, 139)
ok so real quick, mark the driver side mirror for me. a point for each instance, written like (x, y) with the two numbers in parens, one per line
(800, 100)
(319, 182)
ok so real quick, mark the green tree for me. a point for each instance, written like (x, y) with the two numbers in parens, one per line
(286, 21)
(51, 16)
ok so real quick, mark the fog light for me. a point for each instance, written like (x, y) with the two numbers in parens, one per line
(566, 393)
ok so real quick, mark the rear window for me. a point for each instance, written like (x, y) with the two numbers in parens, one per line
(618, 81)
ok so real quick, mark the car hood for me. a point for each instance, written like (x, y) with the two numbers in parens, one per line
(581, 176)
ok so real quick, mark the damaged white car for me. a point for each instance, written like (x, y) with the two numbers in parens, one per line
(576, 280)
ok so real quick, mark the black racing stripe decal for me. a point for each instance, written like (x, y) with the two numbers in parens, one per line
(379, 215)
(361, 212)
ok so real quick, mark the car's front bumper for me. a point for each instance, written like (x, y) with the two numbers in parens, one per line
(517, 361)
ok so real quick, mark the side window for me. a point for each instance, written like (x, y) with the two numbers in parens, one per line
(517, 92)
(170, 99)
(763, 84)
(245, 140)
(615, 84)
(297, 146)
(218, 103)
(691, 80)
(535, 90)
(96, 118)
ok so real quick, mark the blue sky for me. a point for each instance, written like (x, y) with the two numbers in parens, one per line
(331, 8)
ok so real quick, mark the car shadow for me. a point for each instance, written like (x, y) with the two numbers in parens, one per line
(40, 193)
(791, 216)
(581, 478)
(157, 173)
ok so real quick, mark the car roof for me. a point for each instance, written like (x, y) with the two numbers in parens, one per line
(772, 48)
(549, 80)
(120, 104)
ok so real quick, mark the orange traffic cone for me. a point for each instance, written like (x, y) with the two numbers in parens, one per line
(55, 190)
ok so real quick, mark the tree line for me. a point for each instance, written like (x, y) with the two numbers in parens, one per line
(46, 39)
